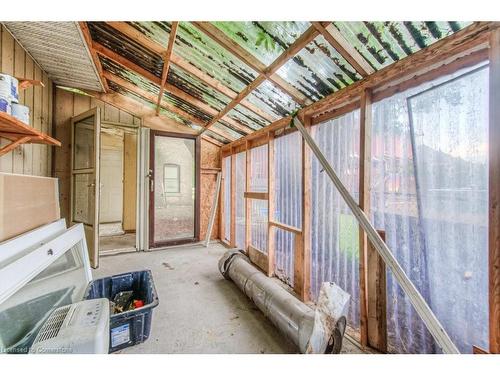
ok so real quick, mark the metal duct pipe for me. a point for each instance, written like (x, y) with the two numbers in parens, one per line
(313, 331)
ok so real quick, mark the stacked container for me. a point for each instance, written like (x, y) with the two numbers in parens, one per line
(9, 99)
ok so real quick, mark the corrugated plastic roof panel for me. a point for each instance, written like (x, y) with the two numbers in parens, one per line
(204, 53)
(226, 129)
(382, 43)
(60, 50)
(216, 136)
(247, 117)
(264, 40)
(318, 70)
(156, 31)
(272, 100)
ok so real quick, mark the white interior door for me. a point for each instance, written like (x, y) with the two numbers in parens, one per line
(85, 157)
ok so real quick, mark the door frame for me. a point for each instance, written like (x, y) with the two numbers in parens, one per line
(92, 230)
(197, 161)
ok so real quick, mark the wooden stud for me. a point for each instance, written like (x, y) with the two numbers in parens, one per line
(364, 204)
(494, 193)
(97, 62)
(248, 203)
(302, 257)
(233, 201)
(258, 258)
(166, 63)
(286, 227)
(271, 243)
(256, 195)
(377, 299)
(342, 46)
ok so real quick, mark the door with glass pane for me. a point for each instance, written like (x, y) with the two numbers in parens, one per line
(173, 202)
(85, 137)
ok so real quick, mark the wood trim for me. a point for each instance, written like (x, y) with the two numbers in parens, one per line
(494, 194)
(286, 227)
(377, 299)
(478, 350)
(271, 243)
(258, 258)
(166, 63)
(364, 204)
(256, 195)
(196, 139)
(342, 46)
(337, 112)
(90, 45)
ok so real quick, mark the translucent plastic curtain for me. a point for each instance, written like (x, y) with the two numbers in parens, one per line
(259, 208)
(288, 200)
(438, 231)
(227, 198)
(335, 239)
(240, 199)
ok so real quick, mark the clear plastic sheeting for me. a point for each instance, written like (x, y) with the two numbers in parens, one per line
(335, 238)
(259, 169)
(429, 192)
(227, 197)
(284, 255)
(259, 224)
(240, 200)
(288, 179)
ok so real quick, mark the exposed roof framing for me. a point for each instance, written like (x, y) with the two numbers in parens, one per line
(157, 48)
(348, 52)
(166, 63)
(250, 60)
(93, 54)
(302, 41)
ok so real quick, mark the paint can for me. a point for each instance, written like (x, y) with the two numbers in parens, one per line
(21, 112)
(14, 90)
(5, 93)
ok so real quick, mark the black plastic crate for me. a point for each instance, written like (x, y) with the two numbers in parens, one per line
(130, 327)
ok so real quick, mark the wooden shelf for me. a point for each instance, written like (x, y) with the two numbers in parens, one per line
(25, 83)
(18, 133)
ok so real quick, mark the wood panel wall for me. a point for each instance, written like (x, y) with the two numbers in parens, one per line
(68, 104)
(30, 159)
(210, 165)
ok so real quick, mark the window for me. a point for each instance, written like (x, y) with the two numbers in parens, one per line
(171, 178)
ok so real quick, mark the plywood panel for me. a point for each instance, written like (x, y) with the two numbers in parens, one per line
(27, 202)
(210, 162)
(130, 182)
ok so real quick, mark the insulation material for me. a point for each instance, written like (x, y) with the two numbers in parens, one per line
(259, 224)
(429, 194)
(240, 199)
(226, 164)
(259, 169)
(335, 239)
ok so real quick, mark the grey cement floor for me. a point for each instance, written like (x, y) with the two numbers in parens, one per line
(199, 310)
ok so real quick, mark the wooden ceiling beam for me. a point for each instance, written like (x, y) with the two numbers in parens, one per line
(234, 48)
(212, 140)
(166, 63)
(97, 63)
(342, 46)
(296, 46)
(157, 48)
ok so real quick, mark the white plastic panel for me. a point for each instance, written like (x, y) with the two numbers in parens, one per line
(240, 199)
(227, 198)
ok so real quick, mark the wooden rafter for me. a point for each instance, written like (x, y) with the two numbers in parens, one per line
(342, 46)
(234, 48)
(157, 48)
(444, 51)
(166, 63)
(163, 104)
(88, 40)
(117, 58)
(295, 47)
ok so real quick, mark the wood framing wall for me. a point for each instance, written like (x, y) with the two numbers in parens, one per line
(66, 105)
(29, 159)
(445, 57)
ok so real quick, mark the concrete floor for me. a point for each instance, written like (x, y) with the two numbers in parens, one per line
(120, 242)
(199, 311)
